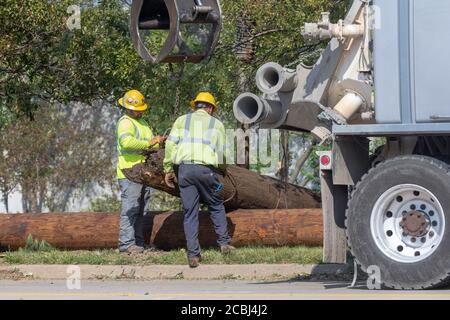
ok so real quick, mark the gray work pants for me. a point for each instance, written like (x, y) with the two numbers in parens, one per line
(197, 183)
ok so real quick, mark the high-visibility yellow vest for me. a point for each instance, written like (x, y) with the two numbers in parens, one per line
(130, 140)
(195, 138)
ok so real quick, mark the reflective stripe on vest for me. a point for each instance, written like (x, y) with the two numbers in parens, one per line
(130, 152)
(187, 127)
(126, 135)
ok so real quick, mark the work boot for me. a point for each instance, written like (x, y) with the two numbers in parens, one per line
(227, 249)
(134, 249)
(194, 262)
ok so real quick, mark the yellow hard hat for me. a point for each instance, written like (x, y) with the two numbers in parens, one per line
(133, 100)
(205, 97)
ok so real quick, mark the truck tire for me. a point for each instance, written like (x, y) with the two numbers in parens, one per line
(398, 220)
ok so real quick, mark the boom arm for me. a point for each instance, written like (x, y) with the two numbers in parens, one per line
(338, 89)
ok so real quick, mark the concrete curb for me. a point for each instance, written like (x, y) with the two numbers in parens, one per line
(154, 272)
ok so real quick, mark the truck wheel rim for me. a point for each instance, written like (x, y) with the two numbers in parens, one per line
(407, 223)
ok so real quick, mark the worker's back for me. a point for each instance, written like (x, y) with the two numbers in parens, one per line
(196, 138)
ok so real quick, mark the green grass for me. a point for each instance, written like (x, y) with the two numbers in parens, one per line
(248, 255)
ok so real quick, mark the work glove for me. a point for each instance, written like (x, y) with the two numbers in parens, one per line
(157, 140)
(170, 179)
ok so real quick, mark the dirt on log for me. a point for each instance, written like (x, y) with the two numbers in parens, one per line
(77, 231)
(243, 189)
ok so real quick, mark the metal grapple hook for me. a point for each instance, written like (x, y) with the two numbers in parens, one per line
(203, 17)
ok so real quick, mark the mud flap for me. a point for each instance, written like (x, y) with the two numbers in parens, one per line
(174, 16)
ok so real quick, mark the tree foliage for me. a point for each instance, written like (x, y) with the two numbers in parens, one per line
(41, 59)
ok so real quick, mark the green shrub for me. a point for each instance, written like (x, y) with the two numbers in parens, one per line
(36, 245)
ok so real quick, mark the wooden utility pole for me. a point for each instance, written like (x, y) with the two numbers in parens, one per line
(243, 189)
(164, 230)
(284, 169)
(244, 50)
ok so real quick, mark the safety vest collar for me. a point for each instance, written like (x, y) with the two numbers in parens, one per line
(201, 111)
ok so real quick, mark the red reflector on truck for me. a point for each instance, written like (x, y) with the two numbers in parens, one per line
(325, 160)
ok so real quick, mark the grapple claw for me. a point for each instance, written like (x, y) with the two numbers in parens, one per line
(193, 28)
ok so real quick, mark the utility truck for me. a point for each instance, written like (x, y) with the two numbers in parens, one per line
(383, 74)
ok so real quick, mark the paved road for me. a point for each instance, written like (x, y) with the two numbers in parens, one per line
(203, 290)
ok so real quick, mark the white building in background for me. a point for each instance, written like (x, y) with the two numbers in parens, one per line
(75, 205)
(15, 203)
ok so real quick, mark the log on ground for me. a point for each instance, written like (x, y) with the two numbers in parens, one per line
(77, 231)
(243, 189)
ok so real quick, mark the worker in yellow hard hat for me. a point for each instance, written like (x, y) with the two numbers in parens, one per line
(194, 157)
(133, 136)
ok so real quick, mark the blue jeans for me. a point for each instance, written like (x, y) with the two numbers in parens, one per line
(135, 201)
(197, 183)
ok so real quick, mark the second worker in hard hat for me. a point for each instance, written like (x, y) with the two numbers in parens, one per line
(194, 153)
(133, 136)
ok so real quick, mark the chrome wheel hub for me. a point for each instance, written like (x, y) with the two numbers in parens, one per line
(407, 223)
